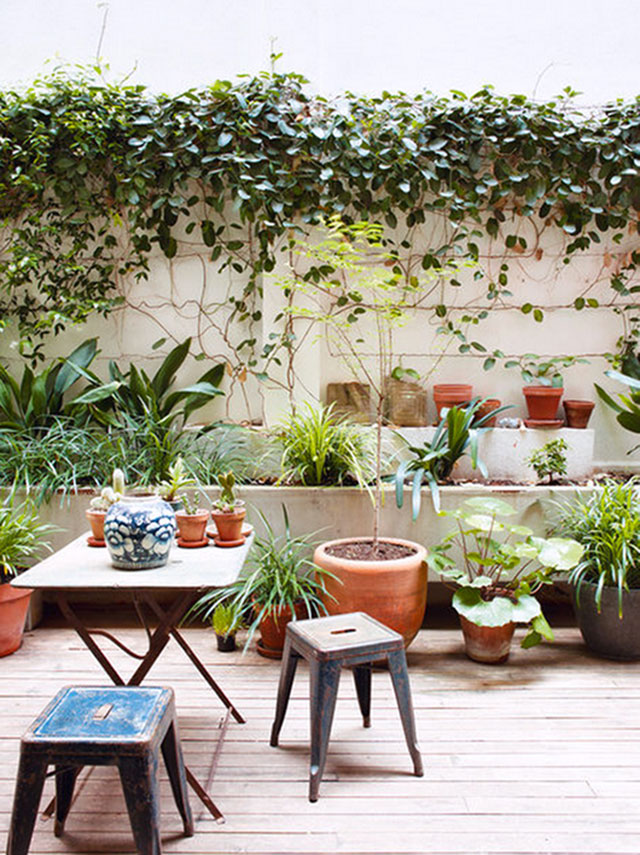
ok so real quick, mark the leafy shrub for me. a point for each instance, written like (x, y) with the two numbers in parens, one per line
(550, 461)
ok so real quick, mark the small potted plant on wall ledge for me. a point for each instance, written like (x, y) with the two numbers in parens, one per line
(550, 461)
(98, 507)
(228, 513)
(497, 570)
(545, 386)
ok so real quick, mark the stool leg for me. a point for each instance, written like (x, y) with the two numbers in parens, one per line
(29, 783)
(400, 679)
(172, 753)
(287, 673)
(139, 783)
(324, 679)
(65, 783)
(362, 679)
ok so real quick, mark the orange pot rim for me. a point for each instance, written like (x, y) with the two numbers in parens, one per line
(368, 566)
(539, 389)
(199, 514)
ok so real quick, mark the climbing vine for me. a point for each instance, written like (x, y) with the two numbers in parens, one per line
(96, 177)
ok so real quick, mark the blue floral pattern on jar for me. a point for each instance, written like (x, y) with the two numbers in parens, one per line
(139, 531)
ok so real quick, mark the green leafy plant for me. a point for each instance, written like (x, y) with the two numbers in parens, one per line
(543, 371)
(433, 462)
(227, 501)
(21, 537)
(499, 567)
(607, 525)
(549, 461)
(226, 619)
(37, 399)
(280, 575)
(178, 478)
(320, 447)
(628, 410)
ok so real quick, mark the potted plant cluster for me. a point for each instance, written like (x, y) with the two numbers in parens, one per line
(21, 540)
(282, 585)
(228, 513)
(496, 571)
(606, 581)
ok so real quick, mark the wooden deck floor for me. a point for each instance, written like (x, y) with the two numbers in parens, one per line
(541, 755)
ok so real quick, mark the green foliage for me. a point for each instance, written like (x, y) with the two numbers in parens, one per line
(280, 575)
(550, 461)
(543, 371)
(499, 566)
(226, 619)
(21, 537)
(178, 478)
(227, 501)
(37, 399)
(628, 410)
(433, 462)
(319, 447)
(607, 525)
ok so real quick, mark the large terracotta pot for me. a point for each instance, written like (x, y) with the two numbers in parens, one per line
(542, 401)
(487, 644)
(578, 413)
(605, 632)
(393, 592)
(451, 395)
(14, 603)
(273, 629)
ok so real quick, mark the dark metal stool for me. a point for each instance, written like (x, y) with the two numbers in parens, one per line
(353, 640)
(87, 726)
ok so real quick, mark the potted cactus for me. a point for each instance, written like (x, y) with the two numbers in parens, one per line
(98, 507)
(228, 513)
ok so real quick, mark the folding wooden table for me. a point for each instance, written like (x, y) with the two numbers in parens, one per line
(78, 567)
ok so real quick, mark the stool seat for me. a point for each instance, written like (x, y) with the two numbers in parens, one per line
(123, 726)
(353, 640)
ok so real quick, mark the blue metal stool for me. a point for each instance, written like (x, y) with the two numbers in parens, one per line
(123, 727)
(329, 643)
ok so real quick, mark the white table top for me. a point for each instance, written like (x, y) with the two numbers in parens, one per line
(80, 567)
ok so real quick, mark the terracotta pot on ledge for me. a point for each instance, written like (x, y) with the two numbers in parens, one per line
(543, 401)
(451, 395)
(578, 413)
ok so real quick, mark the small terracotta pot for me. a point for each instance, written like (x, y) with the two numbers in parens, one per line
(487, 644)
(229, 524)
(484, 409)
(192, 527)
(96, 521)
(451, 395)
(273, 629)
(578, 413)
(542, 401)
(393, 592)
(14, 603)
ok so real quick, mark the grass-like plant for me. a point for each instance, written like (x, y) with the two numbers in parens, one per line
(607, 524)
(280, 576)
(21, 537)
(321, 447)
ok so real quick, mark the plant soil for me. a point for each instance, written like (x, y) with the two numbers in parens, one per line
(365, 550)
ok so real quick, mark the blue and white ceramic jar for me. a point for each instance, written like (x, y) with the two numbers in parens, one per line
(139, 531)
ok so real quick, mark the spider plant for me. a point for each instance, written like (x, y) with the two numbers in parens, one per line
(607, 524)
(321, 447)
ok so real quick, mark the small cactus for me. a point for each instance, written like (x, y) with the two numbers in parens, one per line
(227, 498)
(118, 482)
(109, 495)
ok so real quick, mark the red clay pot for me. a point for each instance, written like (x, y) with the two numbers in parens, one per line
(542, 401)
(578, 413)
(451, 395)
(229, 524)
(393, 592)
(192, 527)
(273, 628)
(14, 603)
(487, 644)
(96, 521)
(484, 409)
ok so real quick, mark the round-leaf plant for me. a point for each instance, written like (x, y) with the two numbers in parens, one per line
(500, 566)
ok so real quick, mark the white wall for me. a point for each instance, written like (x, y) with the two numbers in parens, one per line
(362, 45)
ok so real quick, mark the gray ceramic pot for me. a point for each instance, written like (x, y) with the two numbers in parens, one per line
(604, 632)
